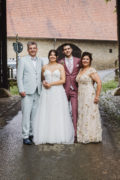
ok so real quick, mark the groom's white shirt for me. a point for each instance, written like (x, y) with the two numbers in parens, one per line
(29, 76)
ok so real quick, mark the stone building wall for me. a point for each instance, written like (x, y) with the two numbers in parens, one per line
(102, 57)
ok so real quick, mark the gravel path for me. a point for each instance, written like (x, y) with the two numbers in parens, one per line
(106, 75)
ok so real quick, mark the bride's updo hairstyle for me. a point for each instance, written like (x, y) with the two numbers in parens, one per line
(87, 54)
(54, 51)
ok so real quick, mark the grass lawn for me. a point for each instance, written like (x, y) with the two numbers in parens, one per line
(109, 85)
(105, 86)
(14, 90)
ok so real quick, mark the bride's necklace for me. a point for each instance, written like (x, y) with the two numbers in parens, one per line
(52, 63)
(52, 66)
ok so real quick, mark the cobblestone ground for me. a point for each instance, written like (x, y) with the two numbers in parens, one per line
(58, 162)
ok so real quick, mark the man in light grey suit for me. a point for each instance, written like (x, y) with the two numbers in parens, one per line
(29, 85)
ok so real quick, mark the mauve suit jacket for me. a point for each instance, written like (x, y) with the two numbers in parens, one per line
(71, 77)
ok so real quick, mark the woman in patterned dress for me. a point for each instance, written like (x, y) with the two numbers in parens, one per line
(89, 123)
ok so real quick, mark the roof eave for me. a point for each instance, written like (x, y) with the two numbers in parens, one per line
(51, 38)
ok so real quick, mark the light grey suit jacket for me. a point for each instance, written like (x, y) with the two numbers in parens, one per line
(29, 77)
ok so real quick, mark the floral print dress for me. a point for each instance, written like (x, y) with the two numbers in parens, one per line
(89, 122)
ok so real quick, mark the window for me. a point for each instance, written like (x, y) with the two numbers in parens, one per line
(110, 50)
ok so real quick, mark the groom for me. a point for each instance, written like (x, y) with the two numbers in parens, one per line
(72, 67)
(29, 85)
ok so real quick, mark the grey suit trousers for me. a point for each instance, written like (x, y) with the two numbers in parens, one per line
(29, 107)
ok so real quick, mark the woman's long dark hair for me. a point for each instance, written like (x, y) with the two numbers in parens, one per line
(54, 51)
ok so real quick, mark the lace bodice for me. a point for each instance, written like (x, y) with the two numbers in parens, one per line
(52, 76)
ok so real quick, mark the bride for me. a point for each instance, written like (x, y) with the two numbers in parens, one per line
(53, 123)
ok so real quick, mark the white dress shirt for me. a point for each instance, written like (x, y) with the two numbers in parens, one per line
(67, 61)
(34, 61)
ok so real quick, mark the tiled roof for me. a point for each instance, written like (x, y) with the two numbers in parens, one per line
(63, 19)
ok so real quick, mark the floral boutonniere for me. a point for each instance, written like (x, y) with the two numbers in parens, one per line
(62, 62)
(77, 65)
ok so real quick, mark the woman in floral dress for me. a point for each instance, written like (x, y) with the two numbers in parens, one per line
(89, 123)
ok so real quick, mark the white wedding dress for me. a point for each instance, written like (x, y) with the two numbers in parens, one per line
(53, 123)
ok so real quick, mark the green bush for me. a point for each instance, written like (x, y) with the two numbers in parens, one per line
(12, 82)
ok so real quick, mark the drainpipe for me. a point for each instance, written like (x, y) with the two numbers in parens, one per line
(118, 33)
(54, 44)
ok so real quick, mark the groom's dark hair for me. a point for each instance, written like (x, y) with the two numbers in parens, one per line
(31, 43)
(67, 44)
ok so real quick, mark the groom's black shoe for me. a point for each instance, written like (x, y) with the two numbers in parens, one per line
(27, 141)
(75, 139)
(31, 138)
